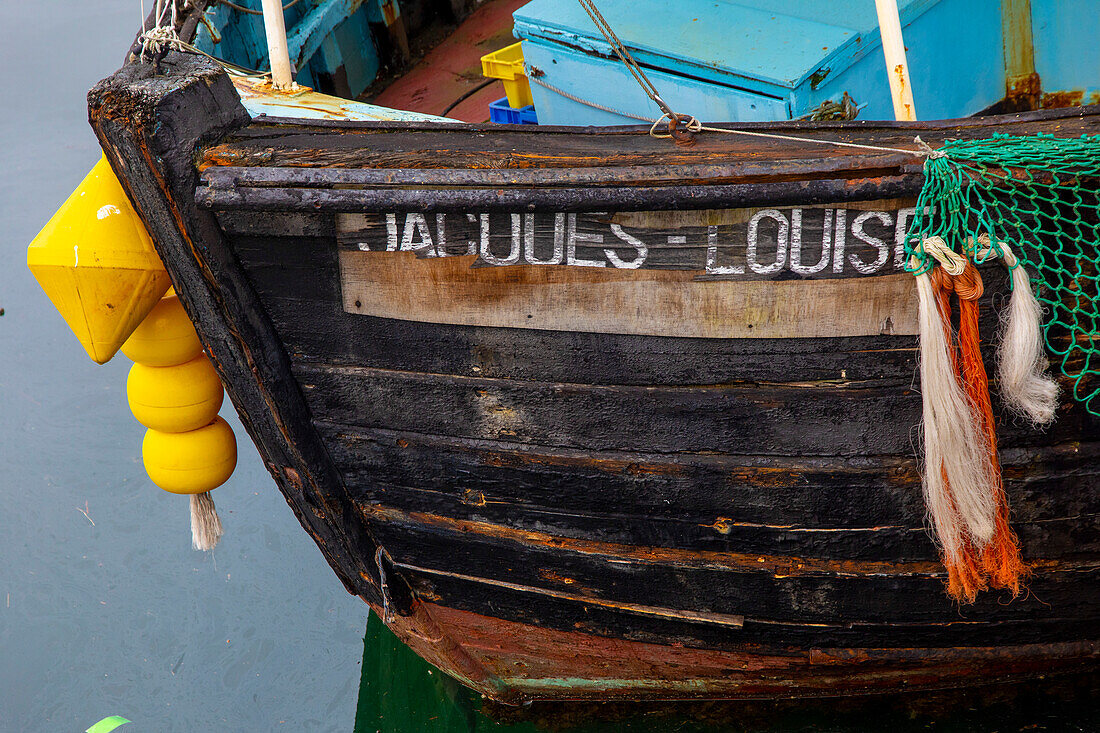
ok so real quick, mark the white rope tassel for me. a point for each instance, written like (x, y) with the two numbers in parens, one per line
(1025, 385)
(954, 447)
(206, 527)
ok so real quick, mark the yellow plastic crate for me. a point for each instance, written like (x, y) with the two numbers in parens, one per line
(507, 65)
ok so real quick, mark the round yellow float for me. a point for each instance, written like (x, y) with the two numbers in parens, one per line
(175, 399)
(166, 336)
(193, 462)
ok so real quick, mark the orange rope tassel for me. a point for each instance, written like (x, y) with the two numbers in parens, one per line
(1000, 559)
(998, 563)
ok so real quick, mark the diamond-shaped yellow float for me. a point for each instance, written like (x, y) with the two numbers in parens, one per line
(97, 264)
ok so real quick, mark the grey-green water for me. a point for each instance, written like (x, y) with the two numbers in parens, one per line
(105, 609)
(122, 617)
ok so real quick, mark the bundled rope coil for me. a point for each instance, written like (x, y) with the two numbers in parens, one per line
(962, 478)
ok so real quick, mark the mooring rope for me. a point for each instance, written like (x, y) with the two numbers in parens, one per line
(624, 55)
(533, 74)
(157, 36)
(163, 33)
(163, 30)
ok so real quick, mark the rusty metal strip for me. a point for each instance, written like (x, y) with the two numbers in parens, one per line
(221, 176)
(438, 197)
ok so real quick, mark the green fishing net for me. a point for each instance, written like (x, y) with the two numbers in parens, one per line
(1040, 195)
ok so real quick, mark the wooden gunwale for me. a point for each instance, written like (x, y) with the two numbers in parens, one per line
(284, 165)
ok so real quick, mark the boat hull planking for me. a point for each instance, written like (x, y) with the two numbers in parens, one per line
(567, 510)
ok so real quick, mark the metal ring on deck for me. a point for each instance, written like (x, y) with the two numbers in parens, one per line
(682, 135)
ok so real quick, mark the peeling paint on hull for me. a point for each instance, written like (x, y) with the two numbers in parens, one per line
(524, 662)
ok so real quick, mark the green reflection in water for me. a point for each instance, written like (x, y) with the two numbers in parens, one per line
(401, 693)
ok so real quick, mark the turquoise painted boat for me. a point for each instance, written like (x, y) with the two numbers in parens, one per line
(751, 60)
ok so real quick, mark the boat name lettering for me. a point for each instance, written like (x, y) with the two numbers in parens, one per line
(754, 243)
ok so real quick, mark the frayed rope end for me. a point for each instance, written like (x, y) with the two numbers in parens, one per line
(206, 527)
(1026, 386)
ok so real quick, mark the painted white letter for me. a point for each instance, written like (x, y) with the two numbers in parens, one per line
(417, 224)
(839, 239)
(796, 245)
(391, 232)
(780, 241)
(441, 234)
(513, 253)
(529, 240)
(883, 250)
(637, 244)
(571, 239)
(899, 235)
(712, 256)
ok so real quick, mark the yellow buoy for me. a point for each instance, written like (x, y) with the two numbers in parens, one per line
(166, 336)
(97, 264)
(193, 462)
(174, 391)
(175, 399)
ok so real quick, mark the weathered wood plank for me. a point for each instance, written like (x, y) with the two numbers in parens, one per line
(423, 146)
(955, 629)
(1050, 539)
(532, 660)
(650, 302)
(311, 319)
(290, 197)
(565, 584)
(818, 419)
(822, 420)
(599, 273)
(712, 491)
(699, 488)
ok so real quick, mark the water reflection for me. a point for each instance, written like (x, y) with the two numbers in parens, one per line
(401, 693)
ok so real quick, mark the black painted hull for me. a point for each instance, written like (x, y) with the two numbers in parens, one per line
(719, 515)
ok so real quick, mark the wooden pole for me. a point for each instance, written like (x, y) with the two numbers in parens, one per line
(893, 48)
(276, 44)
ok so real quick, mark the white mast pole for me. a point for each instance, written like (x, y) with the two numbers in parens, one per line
(893, 48)
(276, 44)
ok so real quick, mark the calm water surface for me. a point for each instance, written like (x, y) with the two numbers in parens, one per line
(105, 609)
(122, 617)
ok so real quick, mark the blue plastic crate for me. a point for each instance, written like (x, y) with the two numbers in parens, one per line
(499, 111)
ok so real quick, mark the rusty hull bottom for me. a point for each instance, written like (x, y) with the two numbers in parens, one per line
(514, 663)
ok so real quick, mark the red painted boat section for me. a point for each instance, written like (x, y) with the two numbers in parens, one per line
(514, 662)
(454, 67)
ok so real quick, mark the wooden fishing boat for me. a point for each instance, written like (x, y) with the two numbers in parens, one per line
(584, 413)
